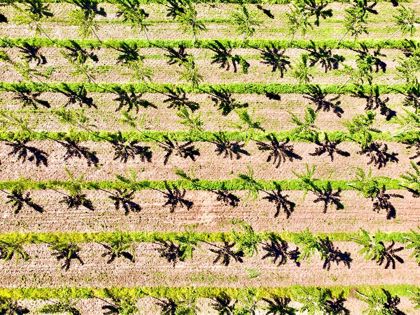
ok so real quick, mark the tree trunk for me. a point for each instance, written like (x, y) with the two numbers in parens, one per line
(393, 34)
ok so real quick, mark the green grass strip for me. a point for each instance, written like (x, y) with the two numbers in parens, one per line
(205, 136)
(239, 88)
(149, 237)
(252, 43)
(206, 185)
(200, 292)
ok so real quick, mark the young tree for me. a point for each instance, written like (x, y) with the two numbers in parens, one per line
(249, 183)
(84, 16)
(376, 250)
(62, 305)
(224, 57)
(302, 70)
(305, 129)
(132, 13)
(279, 152)
(13, 247)
(300, 13)
(75, 198)
(188, 20)
(247, 240)
(191, 120)
(66, 251)
(9, 306)
(378, 303)
(406, 21)
(120, 305)
(414, 239)
(245, 21)
(190, 73)
(119, 245)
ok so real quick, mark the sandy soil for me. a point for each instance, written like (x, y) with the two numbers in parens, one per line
(207, 165)
(151, 270)
(274, 114)
(208, 214)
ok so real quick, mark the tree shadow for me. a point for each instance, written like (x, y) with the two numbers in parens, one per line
(227, 147)
(278, 251)
(28, 98)
(31, 53)
(25, 152)
(319, 98)
(278, 152)
(381, 202)
(186, 150)
(177, 98)
(281, 202)
(75, 150)
(224, 101)
(378, 154)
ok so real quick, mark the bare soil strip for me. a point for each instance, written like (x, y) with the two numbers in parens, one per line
(151, 270)
(274, 114)
(208, 214)
(207, 166)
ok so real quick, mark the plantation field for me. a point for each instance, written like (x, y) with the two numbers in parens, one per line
(199, 157)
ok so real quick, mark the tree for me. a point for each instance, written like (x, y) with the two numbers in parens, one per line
(32, 13)
(405, 21)
(279, 152)
(376, 250)
(300, 13)
(245, 22)
(130, 99)
(13, 247)
(29, 98)
(377, 303)
(302, 71)
(188, 20)
(318, 97)
(320, 301)
(132, 13)
(309, 245)
(10, 307)
(63, 305)
(75, 96)
(191, 120)
(224, 101)
(178, 98)
(275, 58)
(32, 53)
(328, 197)
(412, 95)
(414, 239)
(373, 100)
(371, 188)
(249, 183)
(327, 146)
(278, 251)
(247, 240)
(306, 180)
(26, 152)
(175, 197)
(188, 243)
(75, 198)
(175, 56)
(119, 245)
(324, 56)
(223, 304)
(279, 306)
(18, 199)
(126, 149)
(84, 16)
(228, 148)
(185, 150)
(223, 56)
(190, 72)
(120, 305)
(306, 128)
(360, 128)
(66, 251)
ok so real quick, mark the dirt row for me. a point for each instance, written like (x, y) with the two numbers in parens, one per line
(274, 114)
(224, 11)
(208, 165)
(165, 31)
(149, 306)
(207, 214)
(211, 73)
(151, 270)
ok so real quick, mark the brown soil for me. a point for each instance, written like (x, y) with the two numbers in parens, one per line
(208, 214)
(274, 114)
(151, 270)
(207, 165)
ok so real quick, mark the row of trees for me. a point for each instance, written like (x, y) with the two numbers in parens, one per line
(368, 186)
(311, 301)
(242, 243)
(303, 15)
